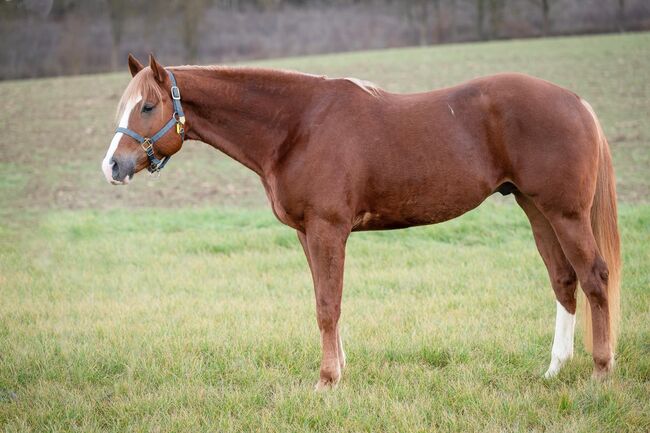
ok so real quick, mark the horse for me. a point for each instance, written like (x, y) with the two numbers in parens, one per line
(342, 155)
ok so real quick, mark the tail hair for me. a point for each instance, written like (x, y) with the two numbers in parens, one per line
(604, 224)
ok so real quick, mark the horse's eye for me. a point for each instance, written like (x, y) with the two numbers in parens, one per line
(146, 108)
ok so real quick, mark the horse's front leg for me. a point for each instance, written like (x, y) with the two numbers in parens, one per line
(324, 245)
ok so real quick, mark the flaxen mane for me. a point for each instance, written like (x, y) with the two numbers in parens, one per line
(273, 75)
(145, 85)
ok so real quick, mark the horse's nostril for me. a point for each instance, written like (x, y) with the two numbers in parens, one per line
(116, 169)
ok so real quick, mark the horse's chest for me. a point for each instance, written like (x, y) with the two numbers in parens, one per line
(279, 209)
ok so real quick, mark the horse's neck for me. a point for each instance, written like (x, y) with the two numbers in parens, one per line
(246, 114)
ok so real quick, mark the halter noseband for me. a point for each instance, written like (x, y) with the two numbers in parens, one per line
(178, 120)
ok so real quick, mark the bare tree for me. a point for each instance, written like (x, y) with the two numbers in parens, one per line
(417, 13)
(437, 11)
(480, 18)
(620, 15)
(193, 11)
(545, 9)
(454, 18)
(117, 13)
(269, 4)
(496, 17)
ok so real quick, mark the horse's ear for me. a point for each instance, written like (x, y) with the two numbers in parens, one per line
(134, 65)
(159, 72)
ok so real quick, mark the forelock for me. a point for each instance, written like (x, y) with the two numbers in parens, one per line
(143, 84)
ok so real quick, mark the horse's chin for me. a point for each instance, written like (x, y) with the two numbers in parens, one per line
(125, 181)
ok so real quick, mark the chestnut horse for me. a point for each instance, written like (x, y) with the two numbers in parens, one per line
(341, 155)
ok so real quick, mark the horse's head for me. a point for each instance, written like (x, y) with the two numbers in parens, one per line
(150, 127)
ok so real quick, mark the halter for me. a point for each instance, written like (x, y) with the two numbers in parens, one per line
(178, 120)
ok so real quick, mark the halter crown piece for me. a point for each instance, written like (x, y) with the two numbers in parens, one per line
(178, 120)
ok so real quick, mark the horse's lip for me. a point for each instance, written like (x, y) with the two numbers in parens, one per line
(107, 170)
(126, 181)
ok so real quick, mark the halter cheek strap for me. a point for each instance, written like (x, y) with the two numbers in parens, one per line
(178, 120)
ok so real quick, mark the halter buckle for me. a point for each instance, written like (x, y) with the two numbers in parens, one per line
(176, 93)
(146, 144)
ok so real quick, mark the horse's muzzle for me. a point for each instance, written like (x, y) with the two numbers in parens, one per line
(122, 170)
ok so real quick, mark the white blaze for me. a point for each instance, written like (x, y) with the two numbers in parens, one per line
(562, 351)
(107, 164)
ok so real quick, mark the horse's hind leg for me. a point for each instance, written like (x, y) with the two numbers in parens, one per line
(563, 280)
(578, 243)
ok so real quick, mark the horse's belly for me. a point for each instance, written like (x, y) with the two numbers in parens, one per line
(416, 212)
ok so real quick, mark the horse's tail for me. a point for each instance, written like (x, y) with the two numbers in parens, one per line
(604, 225)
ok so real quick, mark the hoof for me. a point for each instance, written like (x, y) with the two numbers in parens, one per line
(551, 373)
(330, 374)
(555, 367)
(327, 383)
(603, 370)
(601, 375)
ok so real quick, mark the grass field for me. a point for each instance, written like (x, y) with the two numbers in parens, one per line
(180, 304)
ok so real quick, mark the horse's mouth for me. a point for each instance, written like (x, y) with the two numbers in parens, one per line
(125, 181)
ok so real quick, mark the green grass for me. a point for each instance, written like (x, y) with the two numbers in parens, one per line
(205, 322)
(183, 305)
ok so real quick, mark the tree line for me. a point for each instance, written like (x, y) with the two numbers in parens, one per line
(55, 37)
